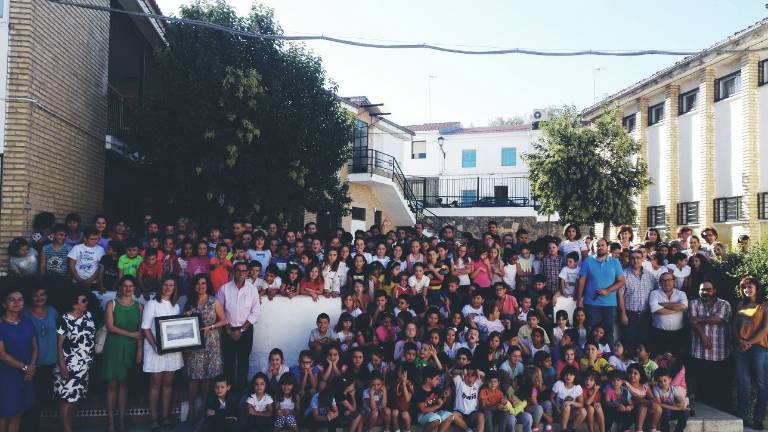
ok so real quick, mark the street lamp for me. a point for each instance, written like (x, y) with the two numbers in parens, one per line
(441, 143)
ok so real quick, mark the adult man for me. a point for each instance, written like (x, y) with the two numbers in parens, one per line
(521, 238)
(633, 301)
(710, 349)
(668, 305)
(242, 307)
(600, 277)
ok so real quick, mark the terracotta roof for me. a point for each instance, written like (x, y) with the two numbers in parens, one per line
(433, 126)
(680, 64)
(491, 129)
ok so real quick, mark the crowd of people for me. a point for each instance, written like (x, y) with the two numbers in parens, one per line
(440, 330)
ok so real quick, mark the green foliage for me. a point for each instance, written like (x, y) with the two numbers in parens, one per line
(242, 126)
(754, 264)
(587, 173)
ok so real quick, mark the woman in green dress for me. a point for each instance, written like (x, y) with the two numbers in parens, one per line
(123, 347)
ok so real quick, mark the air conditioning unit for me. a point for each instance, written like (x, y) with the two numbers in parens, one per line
(539, 115)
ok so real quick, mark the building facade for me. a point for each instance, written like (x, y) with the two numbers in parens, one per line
(702, 126)
(54, 77)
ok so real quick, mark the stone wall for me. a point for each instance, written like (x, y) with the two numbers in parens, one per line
(477, 225)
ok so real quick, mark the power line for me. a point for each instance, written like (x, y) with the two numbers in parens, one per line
(427, 46)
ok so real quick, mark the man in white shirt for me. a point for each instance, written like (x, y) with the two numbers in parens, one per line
(240, 300)
(668, 306)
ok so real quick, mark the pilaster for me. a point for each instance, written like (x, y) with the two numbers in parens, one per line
(749, 177)
(672, 192)
(706, 188)
(641, 126)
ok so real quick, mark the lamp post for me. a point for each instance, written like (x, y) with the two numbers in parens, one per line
(441, 142)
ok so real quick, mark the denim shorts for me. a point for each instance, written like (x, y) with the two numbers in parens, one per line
(427, 418)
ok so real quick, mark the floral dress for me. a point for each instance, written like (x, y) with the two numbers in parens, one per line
(206, 363)
(78, 350)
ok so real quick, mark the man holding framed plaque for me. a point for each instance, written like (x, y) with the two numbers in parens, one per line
(242, 307)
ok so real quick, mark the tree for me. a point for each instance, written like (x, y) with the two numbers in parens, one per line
(242, 126)
(504, 121)
(587, 173)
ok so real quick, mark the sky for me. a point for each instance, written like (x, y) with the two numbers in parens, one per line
(419, 86)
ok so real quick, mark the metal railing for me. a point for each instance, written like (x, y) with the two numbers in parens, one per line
(473, 191)
(119, 114)
(365, 160)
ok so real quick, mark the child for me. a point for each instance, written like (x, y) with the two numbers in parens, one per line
(221, 408)
(109, 270)
(427, 404)
(332, 271)
(569, 359)
(507, 304)
(129, 263)
(598, 337)
(254, 270)
(306, 377)
(402, 287)
(467, 383)
(201, 262)
(323, 412)
(535, 344)
(618, 359)
(259, 253)
(531, 388)
(321, 336)
(569, 276)
(260, 405)
(53, 259)
(669, 402)
(510, 271)
(525, 268)
(401, 413)
(150, 273)
(287, 404)
(642, 396)
(617, 402)
(568, 399)
(23, 259)
(404, 305)
(513, 367)
(532, 322)
(450, 343)
(525, 308)
(594, 361)
(290, 286)
(681, 270)
(221, 267)
(475, 308)
(562, 326)
(489, 322)
(592, 397)
(494, 406)
(349, 415)
(272, 282)
(419, 283)
(375, 403)
(645, 361)
(313, 283)
(344, 333)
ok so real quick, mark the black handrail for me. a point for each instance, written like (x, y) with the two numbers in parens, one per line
(473, 191)
(366, 160)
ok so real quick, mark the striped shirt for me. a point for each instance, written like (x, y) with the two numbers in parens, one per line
(637, 289)
(717, 333)
(56, 262)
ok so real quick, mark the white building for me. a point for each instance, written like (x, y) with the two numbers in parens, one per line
(701, 124)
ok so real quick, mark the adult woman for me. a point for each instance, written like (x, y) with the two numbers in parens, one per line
(123, 347)
(76, 332)
(43, 317)
(653, 236)
(100, 223)
(18, 356)
(573, 241)
(625, 236)
(751, 330)
(160, 367)
(206, 363)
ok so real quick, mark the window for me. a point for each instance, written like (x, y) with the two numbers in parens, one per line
(688, 213)
(727, 209)
(656, 216)
(468, 197)
(358, 213)
(468, 158)
(762, 205)
(762, 72)
(655, 114)
(687, 101)
(419, 150)
(629, 123)
(727, 86)
(509, 156)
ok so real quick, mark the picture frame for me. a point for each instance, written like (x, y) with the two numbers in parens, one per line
(176, 333)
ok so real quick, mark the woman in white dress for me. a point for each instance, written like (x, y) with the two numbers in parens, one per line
(161, 367)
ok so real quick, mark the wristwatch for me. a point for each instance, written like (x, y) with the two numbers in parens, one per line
(25, 369)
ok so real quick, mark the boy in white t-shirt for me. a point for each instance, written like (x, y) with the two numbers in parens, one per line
(467, 383)
(569, 276)
(680, 269)
(84, 259)
(510, 271)
(474, 308)
(488, 323)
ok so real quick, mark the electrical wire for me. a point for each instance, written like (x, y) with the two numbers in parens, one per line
(433, 47)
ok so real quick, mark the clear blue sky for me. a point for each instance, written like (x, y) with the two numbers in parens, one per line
(474, 89)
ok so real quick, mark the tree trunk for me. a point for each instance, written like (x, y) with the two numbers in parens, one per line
(607, 231)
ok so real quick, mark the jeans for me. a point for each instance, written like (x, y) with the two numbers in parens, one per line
(712, 382)
(636, 332)
(235, 355)
(603, 315)
(750, 369)
(667, 416)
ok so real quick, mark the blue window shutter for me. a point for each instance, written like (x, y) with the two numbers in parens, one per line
(468, 158)
(509, 156)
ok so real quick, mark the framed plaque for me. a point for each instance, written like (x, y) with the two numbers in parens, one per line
(178, 333)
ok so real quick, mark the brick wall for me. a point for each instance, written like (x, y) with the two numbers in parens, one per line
(54, 149)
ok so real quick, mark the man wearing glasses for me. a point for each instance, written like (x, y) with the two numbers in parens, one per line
(668, 305)
(633, 301)
(242, 307)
